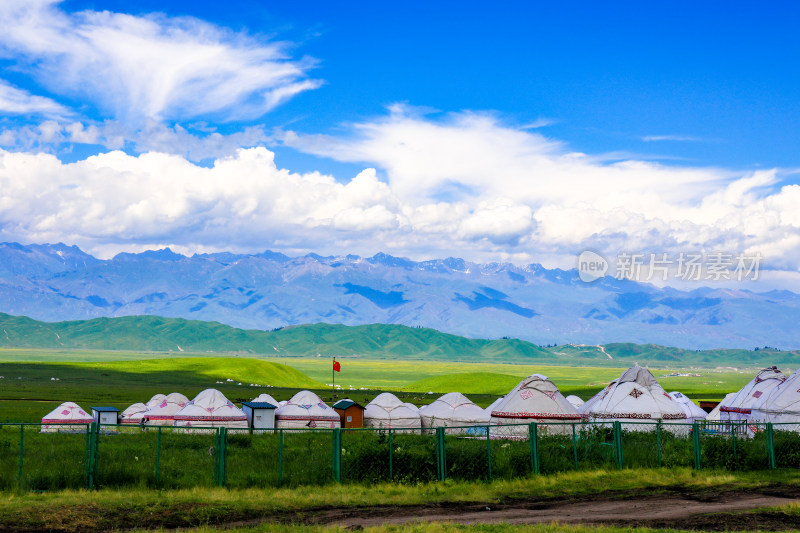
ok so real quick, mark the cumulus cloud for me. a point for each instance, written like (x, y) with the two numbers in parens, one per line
(136, 68)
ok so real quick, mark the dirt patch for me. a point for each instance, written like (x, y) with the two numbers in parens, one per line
(712, 511)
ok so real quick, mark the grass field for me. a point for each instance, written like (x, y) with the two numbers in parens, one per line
(210, 507)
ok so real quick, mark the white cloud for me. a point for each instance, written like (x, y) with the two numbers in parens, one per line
(14, 101)
(674, 138)
(150, 67)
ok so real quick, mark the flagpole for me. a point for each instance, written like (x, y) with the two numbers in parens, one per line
(333, 375)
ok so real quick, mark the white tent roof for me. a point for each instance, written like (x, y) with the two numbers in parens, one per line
(210, 408)
(155, 400)
(264, 397)
(588, 404)
(534, 398)
(453, 409)
(692, 410)
(166, 410)
(636, 395)
(576, 401)
(68, 413)
(782, 403)
(133, 414)
(306, 409)
(411, 406)
(386, 410)
(739, 406)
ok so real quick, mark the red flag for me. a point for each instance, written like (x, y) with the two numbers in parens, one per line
(337, 367)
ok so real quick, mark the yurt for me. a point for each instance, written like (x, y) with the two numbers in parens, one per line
(714, 415)
(265, 398)
(781, 405)
(738, 407)
(637, 396)
(66, 418)
(576, 401)
(155, 401)
(133, 414)
(164, 413)
(211, 408)
(387, 411)
(411, 406)
(453, 410)
(534, 399)
(306, 410)
(692, 410)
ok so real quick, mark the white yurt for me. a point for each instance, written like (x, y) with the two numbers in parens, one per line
(387, 411)
(692, 410)
(781, 405)
(265, 398)
(306, 410)
(738, 407)
(68, 417)
(411, 406)
(637, 396)
(211, 408)
(453, 409)
(588, 404)
(534, 399)
(155, 401)
(576, 401)
(714, 415)
(163, 414)
(133, 414)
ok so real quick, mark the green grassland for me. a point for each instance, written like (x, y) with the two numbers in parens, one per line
(208, 507)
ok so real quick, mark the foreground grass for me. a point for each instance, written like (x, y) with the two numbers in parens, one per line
(111, 509)
(438, 527)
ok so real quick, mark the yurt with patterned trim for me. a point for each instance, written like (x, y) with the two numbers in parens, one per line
(739, 406)
(452, 410)
(133, 414)
(692, 410)
(576, 401)
(155, 401)
(68, 417)
(163, 414)
(211, 408)
(781, 405)
(306, 410)
(534, 399)
(636, 396)
(387, 411)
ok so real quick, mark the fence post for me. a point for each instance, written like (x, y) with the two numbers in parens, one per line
(441, 454)
(216, 457)
(489, 452)
(771, 446)
(574, 446)
(391, 467)
(336, 464)
(280, 457)
(696, 445)
(735, 452)
(87, 454)
(158, 454)
(224, 458)
(618, 444)
(658, 440)
(21, 439)
(533, 438)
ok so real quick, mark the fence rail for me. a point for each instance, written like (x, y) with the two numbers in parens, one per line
(95, 456)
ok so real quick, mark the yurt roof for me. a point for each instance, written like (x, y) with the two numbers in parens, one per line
(264, 397)
(168, 407)
(210, 405)
(535, 397)
(588, 404)
(305, 405)
(749, 395)
(783, 398)
(456, 407)
(68, 413)
(714, 414)
(637, 395)
(387, 406)
(134, 410)
(691, 409)
(155, 400)
(576, 401)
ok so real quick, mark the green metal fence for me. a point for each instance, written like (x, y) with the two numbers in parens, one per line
(93, 456)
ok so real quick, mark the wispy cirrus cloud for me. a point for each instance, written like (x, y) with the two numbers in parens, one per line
(151, 67)
(15, 101)
(673, 138)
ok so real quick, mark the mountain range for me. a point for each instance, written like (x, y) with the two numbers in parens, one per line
(269, 290)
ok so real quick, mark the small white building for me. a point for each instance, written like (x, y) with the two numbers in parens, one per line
(105, 415)
(260, 415)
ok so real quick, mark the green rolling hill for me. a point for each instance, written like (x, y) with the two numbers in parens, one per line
(382, 341)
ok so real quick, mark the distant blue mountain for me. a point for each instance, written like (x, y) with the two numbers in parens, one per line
(270, 290)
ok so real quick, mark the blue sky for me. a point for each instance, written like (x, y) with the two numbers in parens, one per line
(521, 131)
